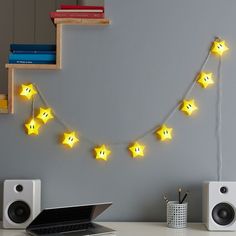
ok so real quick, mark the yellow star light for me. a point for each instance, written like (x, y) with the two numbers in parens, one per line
(45, 114)
(205, 79)
(70, 139)
(102, 152)
(28, 91)
(188, 107)
(137, 150)
(219, 47)
(32, 127)
(164, 133)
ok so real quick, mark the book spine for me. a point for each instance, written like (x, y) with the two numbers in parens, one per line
(79, 10)
(33, 52)
(33, 47)
(3, 104)
(31, 57)
(63, 6)
(88, 15)
(31, 62)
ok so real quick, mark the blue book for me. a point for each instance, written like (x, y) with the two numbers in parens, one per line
(30, 62)
(32, 47)
(32, 57)
(34, 52)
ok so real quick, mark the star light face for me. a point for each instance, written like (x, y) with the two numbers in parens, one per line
(205, 79)
(188, 107)
(219, 47)
(70, 139)
(102, 153)
(45, 114)
(164, 133)
(137, 150)
(28, 91)
(32, 127)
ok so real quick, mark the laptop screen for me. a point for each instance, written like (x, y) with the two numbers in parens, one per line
(64, 215)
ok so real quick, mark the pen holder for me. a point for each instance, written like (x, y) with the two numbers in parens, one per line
(177, 214)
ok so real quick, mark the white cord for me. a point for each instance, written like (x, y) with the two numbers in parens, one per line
(219, 124)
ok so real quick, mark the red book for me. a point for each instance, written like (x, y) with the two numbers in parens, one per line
(79, 10)
(81, 7)
(91, 15)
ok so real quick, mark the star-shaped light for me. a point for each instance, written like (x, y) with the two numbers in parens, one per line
(45, 114)
(70, 139)
(164, 133)
(32, 127)
(102, 152)
(28, 91)
(205, 79)
(188, 107)
(219, 47)
(137, 150)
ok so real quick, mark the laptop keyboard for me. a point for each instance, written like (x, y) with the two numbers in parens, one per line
(65, 228)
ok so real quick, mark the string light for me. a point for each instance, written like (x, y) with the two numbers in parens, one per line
(188, 107)
(70, 139)
(32, 127)
(45, 114)
(102, 153)
(205, 79)
(137, 150)
(28, 91)
(219, 47)
(164, 133)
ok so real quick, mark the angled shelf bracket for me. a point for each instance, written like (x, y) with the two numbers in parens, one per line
(59, 22)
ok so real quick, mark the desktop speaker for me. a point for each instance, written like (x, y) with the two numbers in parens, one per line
(219, 206)
(21, 202)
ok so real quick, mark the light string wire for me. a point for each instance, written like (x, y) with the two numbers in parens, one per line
(32, 107)
(44, 100)
(219, 122)
(152, 130)
(62, 122)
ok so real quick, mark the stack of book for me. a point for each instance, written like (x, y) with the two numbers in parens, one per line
(78, 11)
(32, 54)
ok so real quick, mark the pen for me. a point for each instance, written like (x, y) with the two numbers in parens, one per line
(186, 194)
(179, 195)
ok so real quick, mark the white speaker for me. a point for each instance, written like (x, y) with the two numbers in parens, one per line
(21, 202)
(219, 206)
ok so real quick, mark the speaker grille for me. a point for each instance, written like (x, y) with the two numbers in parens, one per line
(19, 212)
(223, 213)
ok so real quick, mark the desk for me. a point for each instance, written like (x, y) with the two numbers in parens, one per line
(144, 229)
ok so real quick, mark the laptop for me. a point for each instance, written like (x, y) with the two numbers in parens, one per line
(70, 221)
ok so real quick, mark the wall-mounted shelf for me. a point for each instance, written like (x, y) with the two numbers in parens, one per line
(59, 22)
(33, 66)
(78, 21)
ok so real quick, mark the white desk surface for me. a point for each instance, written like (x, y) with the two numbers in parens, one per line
(144, 229)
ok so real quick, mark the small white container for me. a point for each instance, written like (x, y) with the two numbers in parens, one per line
(177, 214)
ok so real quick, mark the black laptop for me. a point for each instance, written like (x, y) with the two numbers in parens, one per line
(70, 221)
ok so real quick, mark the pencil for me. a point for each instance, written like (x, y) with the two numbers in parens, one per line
(186, 194)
